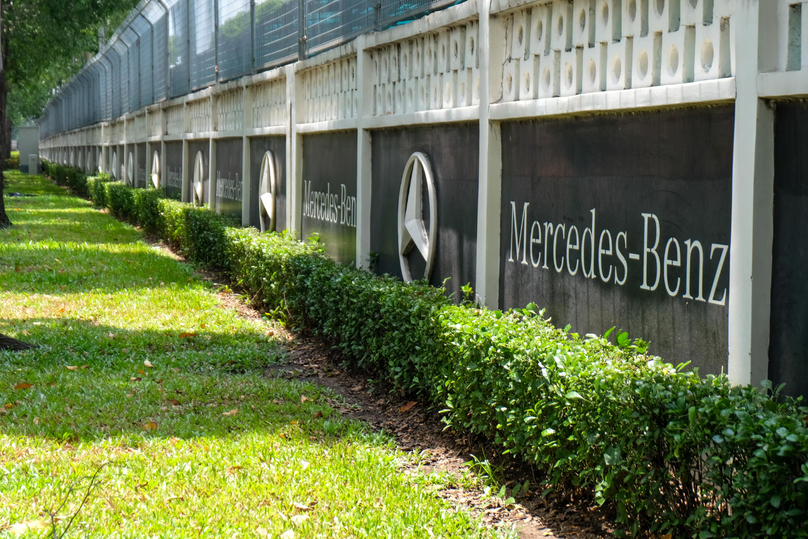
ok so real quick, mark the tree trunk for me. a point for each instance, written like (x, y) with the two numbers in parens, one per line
(4, 220)
(7, 343)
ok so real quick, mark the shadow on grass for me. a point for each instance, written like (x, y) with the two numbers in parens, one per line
(77, 268)
(90, 382)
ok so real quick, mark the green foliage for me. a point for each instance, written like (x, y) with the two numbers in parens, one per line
(671, 452)
(13, 162)
(147, 211)
(96, 191)
(120, 200)
(66, 176)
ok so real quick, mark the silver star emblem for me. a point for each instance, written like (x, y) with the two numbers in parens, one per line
(267, 198)
(199, 180)
(155, 170)
(412, 232)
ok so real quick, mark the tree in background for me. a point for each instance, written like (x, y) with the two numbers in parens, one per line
(42, 44)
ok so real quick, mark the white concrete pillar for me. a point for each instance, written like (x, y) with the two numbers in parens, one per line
(364, 148)
(294, 158)
(489, 201)
(752, 199)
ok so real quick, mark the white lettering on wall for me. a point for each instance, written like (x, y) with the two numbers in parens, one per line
(174, 177)
(329, 207)
(599, 253)
(228, 188)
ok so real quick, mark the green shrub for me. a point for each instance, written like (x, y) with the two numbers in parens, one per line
(96, 190)
(147, 211)
(13, 162)
(671, 452)
(120, 200)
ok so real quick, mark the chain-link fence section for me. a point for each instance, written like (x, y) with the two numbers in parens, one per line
(169, 48)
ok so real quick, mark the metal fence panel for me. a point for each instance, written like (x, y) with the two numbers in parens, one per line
(172, 47)
(115, 61)
(235, 39)
(276, 31)
(130, 40)
(203, 43)
(143, 29)
(157, 15)
(330, 22)
(178, 48)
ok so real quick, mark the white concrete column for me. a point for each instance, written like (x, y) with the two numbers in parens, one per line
(246, 172)
(294, 157)
(752, 199)
(364, 147)
(489, 201)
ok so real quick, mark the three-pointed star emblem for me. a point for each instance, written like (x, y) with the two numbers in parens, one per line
(412, 230)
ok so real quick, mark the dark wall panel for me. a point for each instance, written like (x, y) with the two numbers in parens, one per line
(195, 147)
(453, 156)
(623, 212)
(174, 164)
(788, 360)
(140, 171)
(229, 177)
(258, 147)
(329, 193)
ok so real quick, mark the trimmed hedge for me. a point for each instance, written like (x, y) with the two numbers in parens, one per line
(671, 452)
(68, 177)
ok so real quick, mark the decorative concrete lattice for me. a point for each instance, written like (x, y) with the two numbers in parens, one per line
(269, 104)
(117, 131)
(155, 124)
(230, 110)
(329, 91)
(140, 127)
(565, 48)
(792, 30)
(199, 114)
(175, 120)
(429, 72)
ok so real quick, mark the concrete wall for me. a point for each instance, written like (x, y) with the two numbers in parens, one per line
(645, 133)
(27, 144)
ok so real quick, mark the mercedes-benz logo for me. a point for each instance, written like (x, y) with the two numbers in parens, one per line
(199, 180)
(155, 170)
(411, 228)
(130, 170)
(266, 201)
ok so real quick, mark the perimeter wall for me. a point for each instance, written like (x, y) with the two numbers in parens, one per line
(629, 163)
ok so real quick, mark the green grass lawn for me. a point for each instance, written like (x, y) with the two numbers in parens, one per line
(139, 368)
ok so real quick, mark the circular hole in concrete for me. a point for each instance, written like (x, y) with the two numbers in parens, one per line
(617, 69)
(643, 64)
(673, 60)
(520, 35)
(631, 8)
(526, 83)
(659, 7)
(539, 30)
(560, 25)
(707, 55)
(568, 75)
(604, 13)
(582, 20)
(546, 78)
(592, 71)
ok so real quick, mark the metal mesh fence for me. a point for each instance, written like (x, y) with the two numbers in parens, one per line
(178, 72)
(235, 39)
(203, 43)
(143, 29)
(276, 29)
(168, 48)
(330, 22)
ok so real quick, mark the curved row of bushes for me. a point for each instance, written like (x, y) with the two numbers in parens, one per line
(670, 451)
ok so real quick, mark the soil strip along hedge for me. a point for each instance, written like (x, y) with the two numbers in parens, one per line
(138, 368)
(672, 452)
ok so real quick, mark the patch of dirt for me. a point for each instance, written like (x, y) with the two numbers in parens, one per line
(538, 514)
